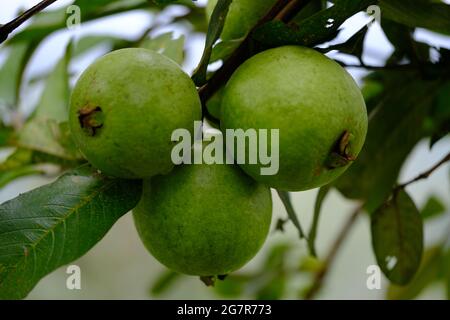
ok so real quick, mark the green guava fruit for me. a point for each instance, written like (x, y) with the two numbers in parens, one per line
(204, 220)
(124, 108)
(242, 16)
(316, 105)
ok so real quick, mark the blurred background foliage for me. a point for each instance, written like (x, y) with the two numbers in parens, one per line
(402, 62)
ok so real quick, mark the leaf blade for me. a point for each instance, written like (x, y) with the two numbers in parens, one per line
(40, 230)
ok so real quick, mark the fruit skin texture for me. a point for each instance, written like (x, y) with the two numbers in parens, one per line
(204, 220)
(143, 97)
(242, 16)
(310, 99)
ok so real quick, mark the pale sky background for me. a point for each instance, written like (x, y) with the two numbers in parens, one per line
(119, 266)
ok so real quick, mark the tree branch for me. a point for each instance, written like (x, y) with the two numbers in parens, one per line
(425, 174)
(6, 29)
(330, 257)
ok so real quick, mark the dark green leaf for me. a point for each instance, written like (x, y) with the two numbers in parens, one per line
(427, 274)
(428, 14)
(395, 127)
(215, 28)
(318, 28)
(432, 208)
(53, 225)
(321, 195)
(397, 238)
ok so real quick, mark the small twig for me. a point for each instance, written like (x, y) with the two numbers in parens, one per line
(425, 174)
(290, 10)
(6, 29)
(330, 257)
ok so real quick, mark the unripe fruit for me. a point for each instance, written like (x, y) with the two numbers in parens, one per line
(242, 16)
(204, 219)
(315, 104)
(124, 108)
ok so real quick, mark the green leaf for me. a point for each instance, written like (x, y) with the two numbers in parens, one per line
(49, 136)
(321, 195)
(53, 225)
(353, 46)
(224, 49)
(320, 27)
(167, 45)
(427, 274)
(395, 126)
(397, 238)
(88, 42)
(286, 200)
(11, 75)
(47, 131)
(54, 100)
(428, 14)
(215, 28)
(432, 208)
(49, 21)
(18, 164)
(164, 282)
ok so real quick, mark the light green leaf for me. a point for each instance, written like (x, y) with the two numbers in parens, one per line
(53, 225)
(224, 49)
(215, 28)
(49, 136)
(167, 45)
(397, 238)
(11, 75)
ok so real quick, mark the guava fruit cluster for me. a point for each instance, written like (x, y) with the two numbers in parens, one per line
(211, 219)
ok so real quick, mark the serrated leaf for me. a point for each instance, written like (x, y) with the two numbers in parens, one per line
(395, 126)
(53, 225)
(427, 274)
(215, 28)
(167, 45)
(318, 28)
(426, 14)
(397, 238)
